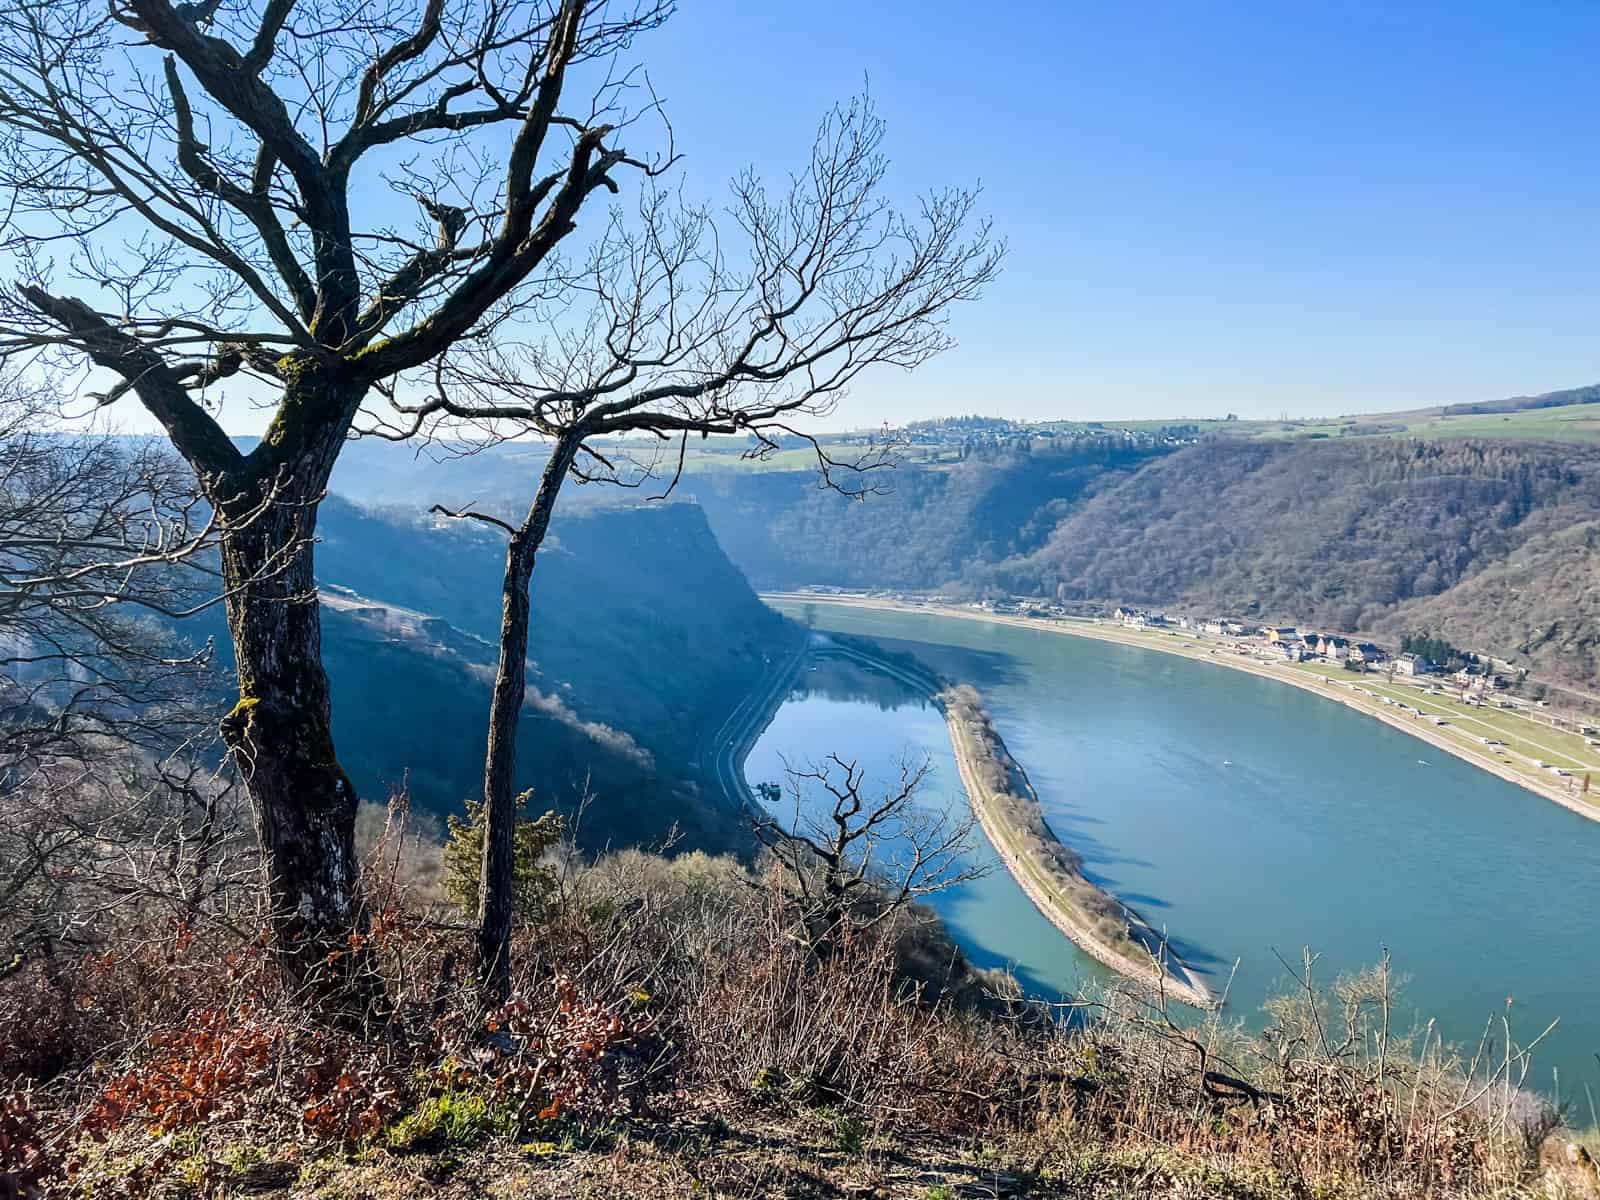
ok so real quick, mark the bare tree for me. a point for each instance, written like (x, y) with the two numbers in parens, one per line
(106, 717)
(91, 848)
(685, 329)
(102, 540)
(857, 861)
(311, 199)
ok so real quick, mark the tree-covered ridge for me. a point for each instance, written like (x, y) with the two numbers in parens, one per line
(1580, 395)
(1336, 535)
(1540, 604)
(629, 680)
(1479, 542)
(928, 526)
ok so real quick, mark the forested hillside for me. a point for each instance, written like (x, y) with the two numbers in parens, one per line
(644, 638)
(928, 526)
(1541, 601)
(1350, 535)
(1489, 543)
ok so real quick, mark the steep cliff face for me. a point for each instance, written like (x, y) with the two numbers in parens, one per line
(644, 639)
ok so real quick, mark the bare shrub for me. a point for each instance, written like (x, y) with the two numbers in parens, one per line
(667, 987)
(859, 860)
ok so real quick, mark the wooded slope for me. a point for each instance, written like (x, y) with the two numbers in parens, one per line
(1479, 542)
(644, 639)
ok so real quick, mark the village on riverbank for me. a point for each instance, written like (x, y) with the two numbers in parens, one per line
(1467, 710)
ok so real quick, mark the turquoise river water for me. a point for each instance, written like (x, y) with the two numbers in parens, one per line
(1249, 819)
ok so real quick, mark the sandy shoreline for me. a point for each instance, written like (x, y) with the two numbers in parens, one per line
(1189, 990)
(1236, 662)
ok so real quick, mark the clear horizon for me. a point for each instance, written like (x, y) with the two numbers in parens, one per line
(1252, 210)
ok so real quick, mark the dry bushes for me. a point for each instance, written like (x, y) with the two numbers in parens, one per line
(240, 1060)
(199, 1035)
(769, 1022)
(1326, 1101)
(664, 989)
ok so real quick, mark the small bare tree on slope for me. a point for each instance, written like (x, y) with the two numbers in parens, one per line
(857, 860)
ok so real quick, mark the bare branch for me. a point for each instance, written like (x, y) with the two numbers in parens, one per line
(676, 342)
(858, 860)
(194, 431)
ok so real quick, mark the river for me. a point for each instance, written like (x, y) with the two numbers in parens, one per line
(1248, 818)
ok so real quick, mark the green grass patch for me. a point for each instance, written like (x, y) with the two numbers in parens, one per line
(1523, 736)
(451, 1120)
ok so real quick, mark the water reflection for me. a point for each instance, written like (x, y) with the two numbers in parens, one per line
(842, 706)
(829, 677)
(1250, 819)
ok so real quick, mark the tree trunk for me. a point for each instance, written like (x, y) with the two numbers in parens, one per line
(280, 732)
(496, 882)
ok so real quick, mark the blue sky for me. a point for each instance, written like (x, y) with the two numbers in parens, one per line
(1250, 208)
(1261, 209)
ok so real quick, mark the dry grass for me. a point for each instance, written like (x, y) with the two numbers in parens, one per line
(672, 1034)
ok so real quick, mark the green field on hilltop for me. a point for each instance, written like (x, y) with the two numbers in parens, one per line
(1563, 423)
(1578, 422)
(1568, 423)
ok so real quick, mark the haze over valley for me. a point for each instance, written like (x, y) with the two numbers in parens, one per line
(599, 601)
(1482, 543)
